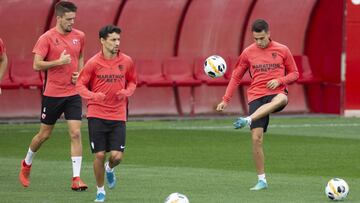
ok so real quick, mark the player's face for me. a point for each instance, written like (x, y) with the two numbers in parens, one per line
(261, 39)
(66, 21)
(112, 43)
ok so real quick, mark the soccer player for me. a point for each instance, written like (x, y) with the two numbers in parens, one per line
(3, 60)
(272, 67)
(59, 52)
(106, 81)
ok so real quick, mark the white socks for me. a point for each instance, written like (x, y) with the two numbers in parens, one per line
(248, 120)
(107, 167)
(29, 157)
(100, 190)
(262, 177)
(76, 165)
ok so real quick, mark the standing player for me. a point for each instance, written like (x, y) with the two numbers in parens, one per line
(272, 67)
(106, 81)
(59, 52)
(3, 61)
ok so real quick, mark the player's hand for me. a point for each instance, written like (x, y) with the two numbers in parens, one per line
(122, 94)
(98, 97)
(74, 77)
(273, 84)
(64, 58)
(221, 106)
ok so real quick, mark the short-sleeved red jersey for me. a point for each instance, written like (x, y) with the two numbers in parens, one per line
(2, 47)
(273, 62)
(108, 77)
(50, 46)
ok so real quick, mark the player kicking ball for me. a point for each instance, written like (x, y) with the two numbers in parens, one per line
(272, 68)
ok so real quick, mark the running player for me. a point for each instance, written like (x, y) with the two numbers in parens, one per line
(59, 52)
(106, 81)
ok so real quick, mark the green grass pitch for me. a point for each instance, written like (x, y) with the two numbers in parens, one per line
(206, 160)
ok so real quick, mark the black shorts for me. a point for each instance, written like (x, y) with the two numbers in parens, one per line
(254, 105)
(53, 107)
(106, 135)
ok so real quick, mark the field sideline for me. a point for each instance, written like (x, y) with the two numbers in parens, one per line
(205, 159)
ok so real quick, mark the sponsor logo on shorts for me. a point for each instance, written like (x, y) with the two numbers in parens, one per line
(122, 147)
(92, 145)
(43, 116)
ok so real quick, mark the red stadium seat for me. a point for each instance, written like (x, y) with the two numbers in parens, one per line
(150, 27)
(7, 82)
(150, 72)
(153, 101)
(180, 71)
(154, 95)
(213, 27)
(21, 36)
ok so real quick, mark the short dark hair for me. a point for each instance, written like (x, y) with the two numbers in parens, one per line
(63, 7)
(260, 25)
(108, 29)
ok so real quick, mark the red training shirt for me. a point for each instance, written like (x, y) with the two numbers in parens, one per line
(107, 76)
(273, 62)
(50, 46)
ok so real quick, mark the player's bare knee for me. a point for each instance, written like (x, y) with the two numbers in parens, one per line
(100, 156)
(43, 135)
(116, 158)
(75, 134)
(280, 100)
(257, 139)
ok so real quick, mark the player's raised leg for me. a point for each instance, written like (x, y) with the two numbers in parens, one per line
(277, 102)
(43, 134)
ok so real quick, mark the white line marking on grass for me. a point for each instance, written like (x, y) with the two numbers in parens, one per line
(306, 125)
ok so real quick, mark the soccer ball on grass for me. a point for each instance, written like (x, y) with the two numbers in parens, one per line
(337, 189)
(176, 198)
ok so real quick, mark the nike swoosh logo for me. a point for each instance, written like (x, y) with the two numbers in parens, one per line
(122, 147)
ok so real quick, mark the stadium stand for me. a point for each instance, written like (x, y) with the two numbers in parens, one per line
(212, 27)
(150, 27)
(7, 82)
(150, 73)
(148, 35)
(28, 26)
(154, 94)
(20, 29)
(180, 41)
(181, 72)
